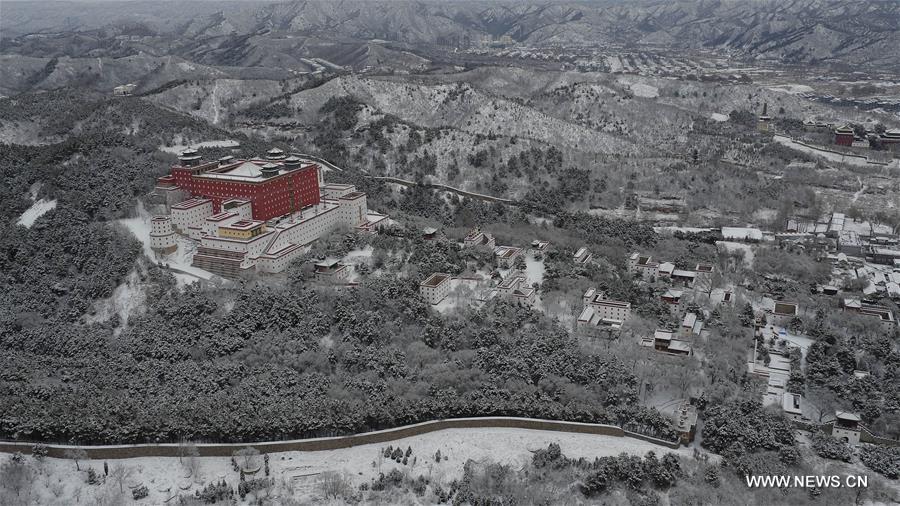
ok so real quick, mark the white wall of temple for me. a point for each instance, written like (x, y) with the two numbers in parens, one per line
(353, 212)
(309, 230)
(273, 265)
(193, 217)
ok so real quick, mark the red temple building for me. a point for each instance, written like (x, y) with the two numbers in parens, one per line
(276, 186)
(844, 136)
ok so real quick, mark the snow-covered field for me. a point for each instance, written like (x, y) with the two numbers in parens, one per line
(38, 209)
(716, 116)
(793, 89)
(296, 473)
(644, 90)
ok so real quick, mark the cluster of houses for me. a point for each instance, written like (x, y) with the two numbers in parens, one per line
(776, 368)
(648, 269)
(514, 287)
(505, 255)
(839, 234)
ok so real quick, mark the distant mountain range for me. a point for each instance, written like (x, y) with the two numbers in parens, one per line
(253, 33)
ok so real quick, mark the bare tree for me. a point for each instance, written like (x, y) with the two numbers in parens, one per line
(76, 454)
(120, 473)
(334, 485)
(248, 457)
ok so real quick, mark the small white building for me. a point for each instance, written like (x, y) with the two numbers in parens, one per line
(124, 90)
(643, 266)
(538, 246)
(599, 311)
(506, 256)
(792, 405)
(582, 256)
(516, 290)
(435, 288)
(691, 326)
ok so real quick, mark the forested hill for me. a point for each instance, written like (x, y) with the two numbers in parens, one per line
(268, 360)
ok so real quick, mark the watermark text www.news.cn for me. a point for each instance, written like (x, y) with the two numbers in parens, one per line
(812, 481)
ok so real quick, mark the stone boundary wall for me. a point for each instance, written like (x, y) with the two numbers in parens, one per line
(333, 443)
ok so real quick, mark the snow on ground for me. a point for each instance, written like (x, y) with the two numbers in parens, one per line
(357, 256)
(782, 333)
(717, 116)
(644, 90)
(179, 261)
(689, 230)
(38, 209)
(166, 477)
(793, 89)
(462, 293)
(734, 246)
(742, 233)
(126, 299)
(534, 269)
(178, 148)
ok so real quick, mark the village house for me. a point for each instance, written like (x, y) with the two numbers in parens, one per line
(506, 256)
(435, 288)
(683, 277)
(675, 301)
(429, 233)
(691, 326)
(582, 256)
(643, 266)
(515, 289)
(602, 312)
(666, 341)
(538, 246)
(884, 315)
